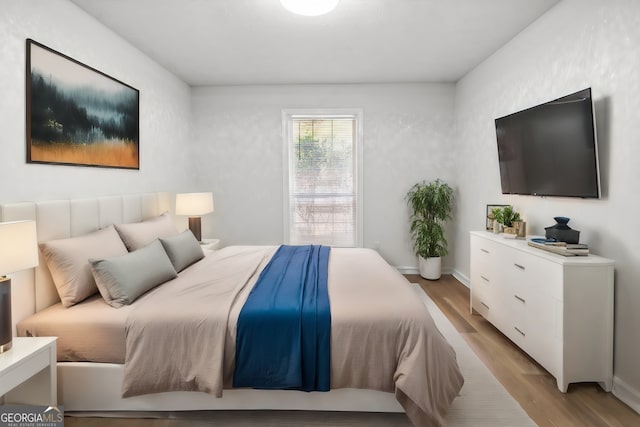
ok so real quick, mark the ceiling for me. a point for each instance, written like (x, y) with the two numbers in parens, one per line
(236, 42)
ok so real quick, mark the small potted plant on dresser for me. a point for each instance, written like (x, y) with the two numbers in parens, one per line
(507, 217)
(430, 204)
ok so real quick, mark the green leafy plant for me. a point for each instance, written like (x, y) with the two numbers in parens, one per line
(506, 216)
(431, 205)
(496, 213)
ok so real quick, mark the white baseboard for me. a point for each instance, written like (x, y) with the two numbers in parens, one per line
(626, 393)
(461, 278)
(414, 270)
(407, 270)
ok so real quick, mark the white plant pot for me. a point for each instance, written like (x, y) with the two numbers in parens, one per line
(430, 268)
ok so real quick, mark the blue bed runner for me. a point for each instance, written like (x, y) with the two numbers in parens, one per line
(283, 339)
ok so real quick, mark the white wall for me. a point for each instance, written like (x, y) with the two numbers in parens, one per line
(238, 136)
(577, 44)
(164, 106)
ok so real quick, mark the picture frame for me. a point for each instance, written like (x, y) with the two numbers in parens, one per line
(77, 115)
(489, 216)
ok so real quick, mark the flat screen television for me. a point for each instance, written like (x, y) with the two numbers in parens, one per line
(550, 149)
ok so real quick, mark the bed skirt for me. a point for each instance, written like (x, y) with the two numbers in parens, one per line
(86, 387)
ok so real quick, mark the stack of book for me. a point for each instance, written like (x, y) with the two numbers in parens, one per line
(562, 248)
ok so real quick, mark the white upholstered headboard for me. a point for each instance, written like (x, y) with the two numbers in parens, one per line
(60, 219)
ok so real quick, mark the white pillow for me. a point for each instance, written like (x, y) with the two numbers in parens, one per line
(137, 235)
(122, 279)
(182, 249)
(68, 262)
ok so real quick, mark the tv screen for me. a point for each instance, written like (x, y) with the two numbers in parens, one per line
(550, 149)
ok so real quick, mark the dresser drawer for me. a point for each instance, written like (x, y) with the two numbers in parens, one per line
(481, 296)
(481, 305)
(483, 256)
(543, 277)
(517, 324)
(544, 332)
(482, 276)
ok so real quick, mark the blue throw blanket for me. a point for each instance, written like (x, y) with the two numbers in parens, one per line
(284, 328)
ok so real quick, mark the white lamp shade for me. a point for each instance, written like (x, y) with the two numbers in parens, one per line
(194, 204)
(18, 246)
(309, 7)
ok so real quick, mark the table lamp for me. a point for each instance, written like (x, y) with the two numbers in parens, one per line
(18, 251)
(194, 205)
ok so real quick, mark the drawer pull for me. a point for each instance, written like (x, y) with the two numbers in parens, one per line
(485, 251)
(519, 299)
(484, 278)
(484, 305)
(519, 331)
(521, 267)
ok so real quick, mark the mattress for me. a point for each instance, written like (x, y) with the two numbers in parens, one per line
(91, 331)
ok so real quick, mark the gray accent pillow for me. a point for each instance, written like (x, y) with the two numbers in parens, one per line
(68, 262)
(124, 278)
(136, 235)
(183, 249)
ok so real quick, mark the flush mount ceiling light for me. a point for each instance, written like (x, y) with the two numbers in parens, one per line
(309, 7)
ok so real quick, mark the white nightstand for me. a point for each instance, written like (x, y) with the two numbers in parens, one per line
(210, 244)
(28, 372)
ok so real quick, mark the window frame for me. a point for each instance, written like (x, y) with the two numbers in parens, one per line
(319, 113)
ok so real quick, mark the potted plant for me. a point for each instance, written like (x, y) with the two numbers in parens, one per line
(506, 216)
(430, 204)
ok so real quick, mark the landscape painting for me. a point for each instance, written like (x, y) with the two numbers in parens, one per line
(77, 115)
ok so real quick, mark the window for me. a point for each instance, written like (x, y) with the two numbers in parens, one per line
(323, 185)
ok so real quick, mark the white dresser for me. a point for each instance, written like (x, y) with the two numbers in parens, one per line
(558, 309)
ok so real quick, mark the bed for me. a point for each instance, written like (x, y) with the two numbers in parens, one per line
(383, 357)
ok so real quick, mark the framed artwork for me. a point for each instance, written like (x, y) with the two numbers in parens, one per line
(77, 115)
(489, 215)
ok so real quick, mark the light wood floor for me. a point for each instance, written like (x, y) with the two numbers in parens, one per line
(585, 404)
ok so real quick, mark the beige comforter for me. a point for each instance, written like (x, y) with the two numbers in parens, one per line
(181, 336)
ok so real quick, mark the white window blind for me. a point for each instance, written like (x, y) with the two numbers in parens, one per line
(323, 179)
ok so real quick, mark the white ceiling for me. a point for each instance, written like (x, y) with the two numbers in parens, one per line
(229, 42)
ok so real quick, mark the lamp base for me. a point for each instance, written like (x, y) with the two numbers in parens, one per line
(194, 226)
(5, 314)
